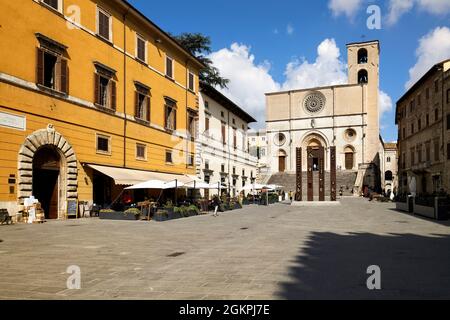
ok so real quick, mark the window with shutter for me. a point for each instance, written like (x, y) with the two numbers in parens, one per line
(142, 103)
(191, 81)
(141, 52)
(104, 22)
(169, 67)
(170, 116)
(52, 3)
(223, 133)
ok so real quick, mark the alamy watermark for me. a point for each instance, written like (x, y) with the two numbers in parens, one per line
(374, 281)
(74, 280)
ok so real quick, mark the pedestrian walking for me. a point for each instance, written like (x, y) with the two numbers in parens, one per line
(291, 196)
(216, 203)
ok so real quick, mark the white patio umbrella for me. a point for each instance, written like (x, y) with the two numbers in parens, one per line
(199, 185)
(156, 184)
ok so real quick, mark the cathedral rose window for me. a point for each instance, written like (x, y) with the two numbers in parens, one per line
(314, 102)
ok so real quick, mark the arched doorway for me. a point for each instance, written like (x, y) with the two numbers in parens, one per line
(47, 162)
(46, 179)
(349, 158)
(315, 145)
(282, 161)
(388, 176)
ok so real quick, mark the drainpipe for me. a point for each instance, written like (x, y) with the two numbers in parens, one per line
(125, 87)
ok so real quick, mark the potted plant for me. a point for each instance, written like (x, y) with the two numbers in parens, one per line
(169, 207)
(161, 215)
(135, 212)
(193, 210)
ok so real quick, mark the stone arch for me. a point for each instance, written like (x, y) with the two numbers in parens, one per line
(69, 173)
(315, 135)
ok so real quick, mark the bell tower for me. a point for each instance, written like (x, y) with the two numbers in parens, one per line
(364, 70)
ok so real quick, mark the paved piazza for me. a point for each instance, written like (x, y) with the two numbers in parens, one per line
(280, 252)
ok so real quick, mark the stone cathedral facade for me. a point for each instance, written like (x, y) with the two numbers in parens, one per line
(345, 116)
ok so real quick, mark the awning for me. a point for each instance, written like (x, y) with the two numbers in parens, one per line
(122, 176)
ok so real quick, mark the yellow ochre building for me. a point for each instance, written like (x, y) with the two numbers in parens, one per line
(93, 97)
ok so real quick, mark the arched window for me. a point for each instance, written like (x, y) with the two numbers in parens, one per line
(362, 56)
(363, 77)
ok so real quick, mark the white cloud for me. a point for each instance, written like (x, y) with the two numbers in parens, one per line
(328, 69)
(249, 81)
(385, 103)
(433, 48)
(438, 7)
(397, 8)
(344, 7)
(290, 29)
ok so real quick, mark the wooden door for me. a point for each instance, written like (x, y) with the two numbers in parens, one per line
(53, 210)
(349, 161)
(282, 164)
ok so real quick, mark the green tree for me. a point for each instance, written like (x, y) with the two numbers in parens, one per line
(199, 46)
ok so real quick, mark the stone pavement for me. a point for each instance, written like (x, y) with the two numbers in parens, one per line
(280, 252)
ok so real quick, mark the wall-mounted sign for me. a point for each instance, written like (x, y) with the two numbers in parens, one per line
(13, 121)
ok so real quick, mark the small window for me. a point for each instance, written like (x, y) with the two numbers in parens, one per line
(141, 151)
(448, 95)
(169, 67)
(419, 99)
(206, 105)
(190, 161)
(191, 82)
(141, 48)
(427, 94)
(388, 159)
(428, 120)
(206, 164)
(222, 168)
(436, 115)
(222, 114)
(235, 139)
(412, 128)
(420, 124)
(206, 123)
(234, 121)
(104, 24)
(191, 125)
(436, 86)
(170, 116)
(224, 141)
(53, 4)
(103, 144)
(436, 150)
(169, 158)
(448, 151)
(448, 122)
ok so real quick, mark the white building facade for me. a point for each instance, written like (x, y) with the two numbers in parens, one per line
(259, 147)
(344, 116)
(222, 146)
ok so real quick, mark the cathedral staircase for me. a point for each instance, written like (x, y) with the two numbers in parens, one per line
(344, 179)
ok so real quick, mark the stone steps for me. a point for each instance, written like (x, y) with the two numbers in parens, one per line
(344, 179)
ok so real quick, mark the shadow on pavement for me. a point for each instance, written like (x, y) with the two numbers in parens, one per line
(334, 266)
(441, 222)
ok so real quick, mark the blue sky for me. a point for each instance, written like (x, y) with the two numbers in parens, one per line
(270, 35)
